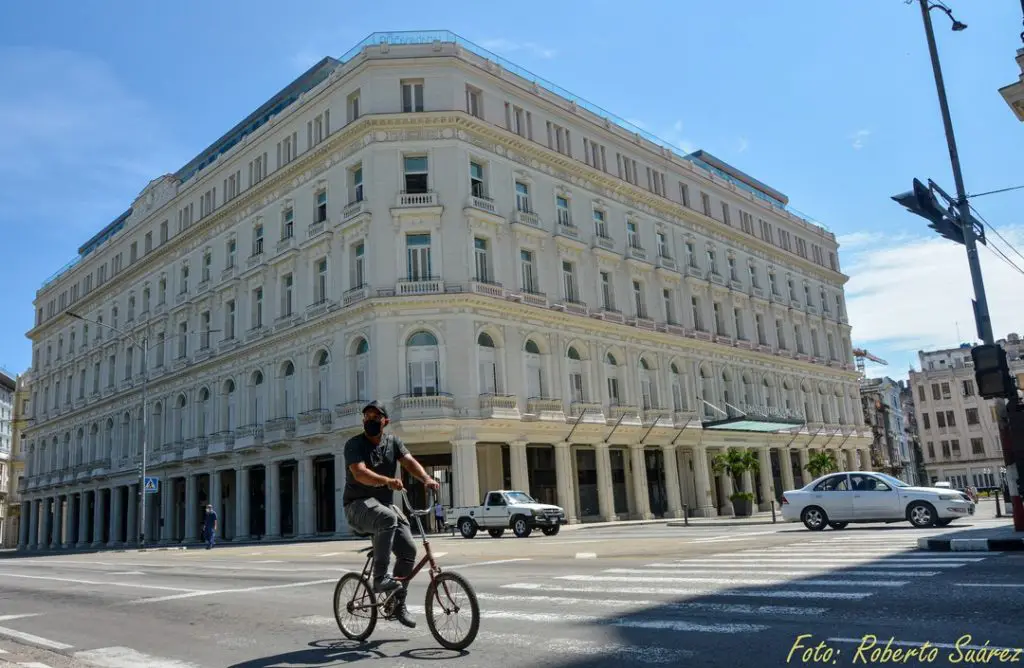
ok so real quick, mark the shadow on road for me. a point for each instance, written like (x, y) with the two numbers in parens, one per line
(340, 652)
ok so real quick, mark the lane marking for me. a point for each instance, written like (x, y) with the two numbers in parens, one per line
(694, 591)
(491, 563)
(755, 563)
(586, 555)
(677, 568)
(734, 580)
(125, 657)
(125, 573)
(732, 537)
(268, 561)
(941, 645)
(93, 582)
(901, 556)
(438, 555)
(735, 608)
(986, 584)
(330, 554)
(5, 618)
(242, 590)
(34, 664)
(620, 622)
(30, 639)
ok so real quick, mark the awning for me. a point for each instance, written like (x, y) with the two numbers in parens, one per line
(759, 419)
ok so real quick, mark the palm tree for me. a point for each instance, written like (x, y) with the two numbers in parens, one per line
(820, 463)
(735, 463)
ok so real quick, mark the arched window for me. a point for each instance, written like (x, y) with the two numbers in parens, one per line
(769, 393)
(422, 365)
(707, 391)
(257, 400)
(180, 415)
(748, 390)
(360, 371)
(94, 442)
(79, 457)
(321, 388)
(126, 430)
(203, 414)
(487, 355)
(577, 385)
(535, 387)
(286, 391)
(611, 372)
(648, 386)
(65, 454)
(676, 382)
(228, 415)
(726, 389)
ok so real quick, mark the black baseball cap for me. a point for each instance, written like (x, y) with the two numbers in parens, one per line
(378, 406)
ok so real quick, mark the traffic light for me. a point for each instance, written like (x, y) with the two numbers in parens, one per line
(922, 201)
(992, 373)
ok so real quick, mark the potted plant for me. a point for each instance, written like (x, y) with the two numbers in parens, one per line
(820, 463)
(735, 463)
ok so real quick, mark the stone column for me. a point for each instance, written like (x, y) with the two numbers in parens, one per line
(97, 518)
(605, 491)
(340, 476)
(116, 500)
(23, 525)
(764, 460)
(191, 514)
(786, 468)
(83, 519)
(167, 511)
(804, 455)
(465, 473)
(517, 463)
(564, 480)
(272, 502)
(641, 499)
(241, 503)
(672, 486)
(702, 483)
(132, 499)
(307, 504)
(33, 524)
(215, 500)
(58, 521)
(47, 511)
(865, 459)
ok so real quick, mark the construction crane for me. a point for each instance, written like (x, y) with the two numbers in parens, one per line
(860, 354)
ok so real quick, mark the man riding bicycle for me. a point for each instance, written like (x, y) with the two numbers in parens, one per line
(372, 458)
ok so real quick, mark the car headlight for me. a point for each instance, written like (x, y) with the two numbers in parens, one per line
(950, 497)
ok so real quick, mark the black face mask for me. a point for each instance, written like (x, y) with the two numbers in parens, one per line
(372, 427)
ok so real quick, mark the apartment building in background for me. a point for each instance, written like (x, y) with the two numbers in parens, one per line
(545, 298)
(7, 386)
(1014, 93)
(958, 430)
(883, 414)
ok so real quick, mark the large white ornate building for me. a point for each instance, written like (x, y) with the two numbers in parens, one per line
(958, 429)
(545, 299)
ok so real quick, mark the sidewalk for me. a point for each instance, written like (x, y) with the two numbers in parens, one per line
(997, 539)
(756, 519)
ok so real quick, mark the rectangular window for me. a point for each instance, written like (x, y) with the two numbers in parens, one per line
(352, 106)
(607, 291)
(416, 170)
(972, 416)
(476, 180)
(483, 272)
(670, 312)
(320, 289)
(286, 295)
(321, 207)
(229, 320)
(417, 248)
(737, 315)
(926, 420)
(569, 282)
(357, 184)
(474, 101)
(522, 197)
(412, 95)
(638, 299)
(527, 272)
(663, 250)
(968, 389)
(977, 446)
(358, 275)
(632, 238)
(600, 227)
(562, 211)
(287, 224)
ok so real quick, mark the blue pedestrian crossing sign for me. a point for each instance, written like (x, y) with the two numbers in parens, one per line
(152, 485)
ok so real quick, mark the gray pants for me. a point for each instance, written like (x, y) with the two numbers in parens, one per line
(391, 533)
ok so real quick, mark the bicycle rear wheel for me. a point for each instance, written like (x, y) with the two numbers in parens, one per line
(449, 596)
(355, 607)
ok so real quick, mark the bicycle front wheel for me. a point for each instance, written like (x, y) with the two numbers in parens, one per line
(453, 614)
(355, 607)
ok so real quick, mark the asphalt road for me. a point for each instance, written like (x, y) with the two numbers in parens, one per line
(618, 596)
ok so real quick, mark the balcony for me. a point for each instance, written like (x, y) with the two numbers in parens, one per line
(316, 229)
(567, 230)
(625, 413)
(219, 444)
(316, 421)
(665, 262)
(545, 408)
(694, 271)
(610, 314)
(195, 448)
(499, 406)
(249, 436)
(279, 429)
(572, 306)
(528, 218)
(355, 295)
(634, 252)
(318, 308)
(482, 203)
(586, 411)
(424, 285)
(420, 407)
(489, 288)
(603, 241)
(664, 417)
(349, 415)
(427, 200)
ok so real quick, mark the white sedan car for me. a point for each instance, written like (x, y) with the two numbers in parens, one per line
(837, 499)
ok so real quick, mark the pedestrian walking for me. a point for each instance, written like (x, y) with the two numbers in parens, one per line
(438, 517)
(210, 526)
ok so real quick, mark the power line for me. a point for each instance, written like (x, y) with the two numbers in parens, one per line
(993, 228)
(993, 192)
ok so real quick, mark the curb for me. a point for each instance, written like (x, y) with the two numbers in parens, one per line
(971, 544)
(725, 523)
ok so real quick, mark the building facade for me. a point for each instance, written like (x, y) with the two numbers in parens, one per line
(883, 413)
(959, 430)
(910, 428)
(7, 385)
(1014, 93)
(544, 299)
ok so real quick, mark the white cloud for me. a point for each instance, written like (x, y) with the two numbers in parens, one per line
(859, 138)
(500, 44)
(742, 144)
(911, 293)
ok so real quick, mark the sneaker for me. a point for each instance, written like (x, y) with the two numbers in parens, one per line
(385, 584)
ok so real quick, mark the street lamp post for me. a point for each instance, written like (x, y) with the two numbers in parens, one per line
(144, 346)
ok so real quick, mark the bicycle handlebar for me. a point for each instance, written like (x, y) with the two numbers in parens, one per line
(413, 510)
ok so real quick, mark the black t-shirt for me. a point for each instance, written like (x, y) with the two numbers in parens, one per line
(381, 459)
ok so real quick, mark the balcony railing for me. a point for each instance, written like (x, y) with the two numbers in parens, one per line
(416, 199)
(499, 406)
(412, 406)
(424, 285)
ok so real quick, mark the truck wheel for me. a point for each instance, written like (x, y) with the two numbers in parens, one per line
(496, 533)
(520, 527)
(551, 531)
(467, 527)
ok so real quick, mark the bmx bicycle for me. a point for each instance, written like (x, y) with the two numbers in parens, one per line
(355, 601)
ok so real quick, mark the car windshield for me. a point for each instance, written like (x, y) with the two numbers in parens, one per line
(895, 482)
(518, 497)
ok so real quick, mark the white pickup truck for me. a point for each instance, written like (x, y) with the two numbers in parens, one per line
(506, 509)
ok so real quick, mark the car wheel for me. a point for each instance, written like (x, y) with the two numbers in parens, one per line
(551, 531)
(814, 518)
(521, 528)
(838, 525)
(496, 533)
(467, 528)
(921, 514)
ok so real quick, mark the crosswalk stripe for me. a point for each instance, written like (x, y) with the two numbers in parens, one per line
(30, 639)
(884, 555)
(795, 563)
(866, 572)
(724, 608)
(696, 591)
(737, 580)
(619, 622)
(122, 657)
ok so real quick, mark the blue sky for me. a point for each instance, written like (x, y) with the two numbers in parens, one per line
(833, 103)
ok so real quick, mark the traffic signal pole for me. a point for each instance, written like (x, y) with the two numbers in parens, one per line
(1008, 437)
